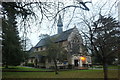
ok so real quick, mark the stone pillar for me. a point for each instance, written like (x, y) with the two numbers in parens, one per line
(72, 62)
(80, 63)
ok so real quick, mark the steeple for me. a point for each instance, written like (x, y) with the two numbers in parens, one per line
(60, 24)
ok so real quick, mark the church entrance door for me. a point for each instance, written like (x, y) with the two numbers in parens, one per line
(76, 63)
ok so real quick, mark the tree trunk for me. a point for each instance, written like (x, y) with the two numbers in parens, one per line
(6, 65)
(56, 68)
(105, 69)
(36, 63)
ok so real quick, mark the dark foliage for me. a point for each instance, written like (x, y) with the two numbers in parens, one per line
(12, 53)
(105, 41)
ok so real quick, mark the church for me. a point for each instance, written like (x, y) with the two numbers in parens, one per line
(71, 40)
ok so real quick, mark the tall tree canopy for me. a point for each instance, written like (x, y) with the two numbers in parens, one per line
(107, 37)
(105, 40)
(12, 49)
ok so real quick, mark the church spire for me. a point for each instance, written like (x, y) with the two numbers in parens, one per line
(60, 24)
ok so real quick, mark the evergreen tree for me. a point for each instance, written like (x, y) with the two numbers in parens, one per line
(12, 53)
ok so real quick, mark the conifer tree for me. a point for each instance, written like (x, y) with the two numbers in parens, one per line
(12, 53)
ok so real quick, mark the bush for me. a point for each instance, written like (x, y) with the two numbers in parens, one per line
(52, 67)
(30, 64)
(61, 67)
(70, 66)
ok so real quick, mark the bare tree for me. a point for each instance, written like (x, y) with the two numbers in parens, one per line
(105, 53)
(55, 52)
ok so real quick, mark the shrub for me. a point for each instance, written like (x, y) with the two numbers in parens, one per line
(70, 66)
(30, 64)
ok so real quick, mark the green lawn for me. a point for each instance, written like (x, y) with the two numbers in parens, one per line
(62, 74)
(18, 68)
(113, 67)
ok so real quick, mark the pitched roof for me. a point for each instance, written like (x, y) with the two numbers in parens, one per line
(59, 37)
(32, 49)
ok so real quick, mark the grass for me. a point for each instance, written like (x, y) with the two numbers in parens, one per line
(113, 67)
(62, 74)
(18, 68)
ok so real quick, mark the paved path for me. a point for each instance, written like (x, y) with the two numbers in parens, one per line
(102, 69)
(27, 66)
(88, 68)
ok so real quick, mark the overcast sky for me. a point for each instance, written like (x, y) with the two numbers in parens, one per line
(94, 8)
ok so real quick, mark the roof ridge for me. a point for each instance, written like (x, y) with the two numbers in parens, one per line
(61, 36)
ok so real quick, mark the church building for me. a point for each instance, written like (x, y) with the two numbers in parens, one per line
(71, 40)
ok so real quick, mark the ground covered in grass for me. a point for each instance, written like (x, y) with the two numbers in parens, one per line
(62, 74)
(19, 68)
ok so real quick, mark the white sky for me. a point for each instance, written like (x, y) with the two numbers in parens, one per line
(36, 31)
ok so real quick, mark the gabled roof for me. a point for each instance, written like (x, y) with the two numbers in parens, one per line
(32, 49)
(59, 37)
